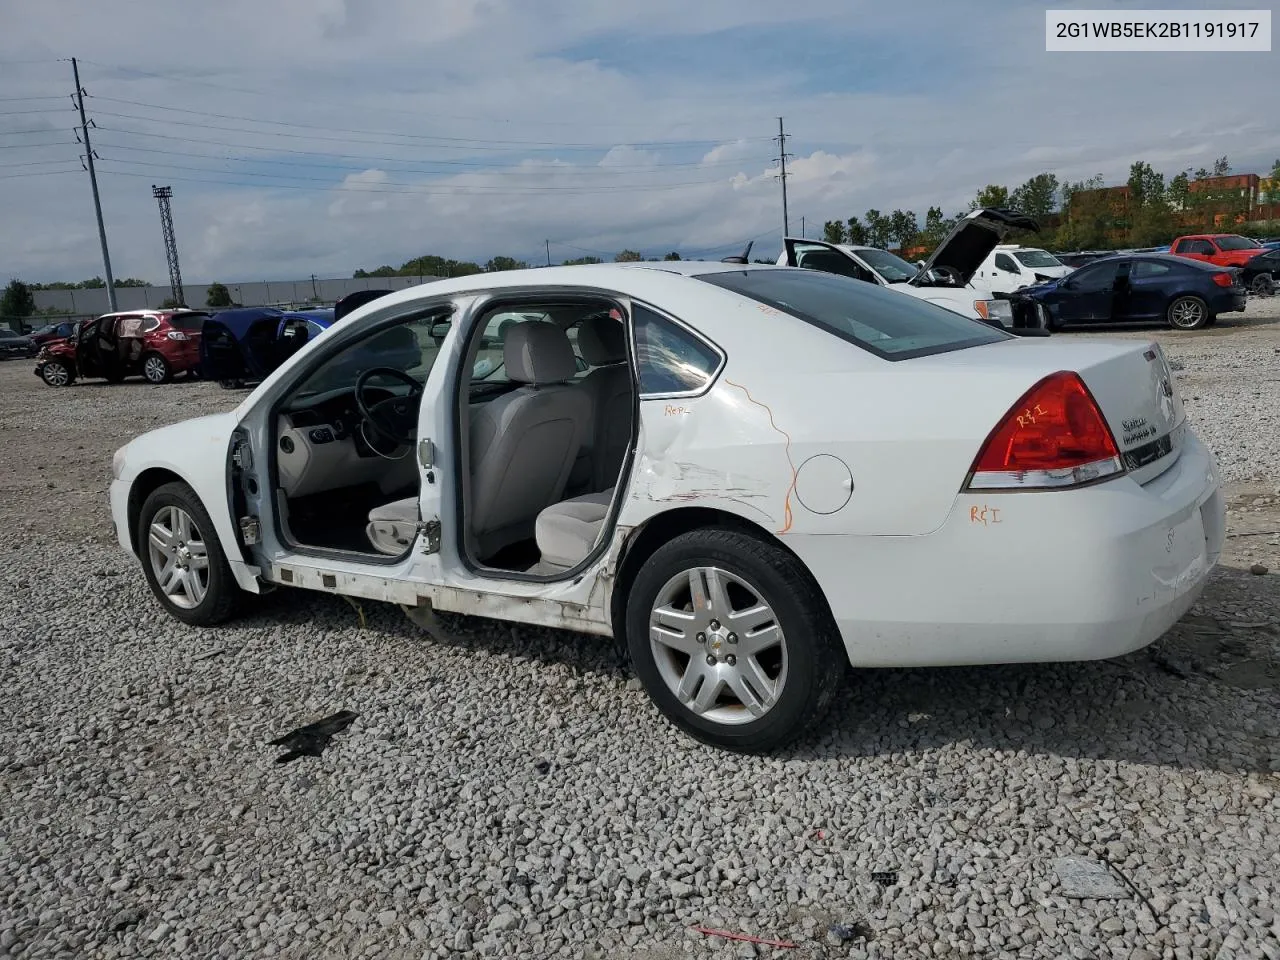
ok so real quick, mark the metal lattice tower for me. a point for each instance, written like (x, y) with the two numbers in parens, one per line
(164, 195)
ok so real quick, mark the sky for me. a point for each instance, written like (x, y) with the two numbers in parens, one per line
(319, 136)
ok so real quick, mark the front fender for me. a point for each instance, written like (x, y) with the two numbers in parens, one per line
(194, 452)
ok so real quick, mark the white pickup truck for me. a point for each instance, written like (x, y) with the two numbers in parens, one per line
(948, 278)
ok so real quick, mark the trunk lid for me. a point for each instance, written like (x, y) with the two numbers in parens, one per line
(1132, 383)
(972, 240)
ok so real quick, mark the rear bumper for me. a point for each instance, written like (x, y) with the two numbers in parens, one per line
(1010, 578)
(1232, 301)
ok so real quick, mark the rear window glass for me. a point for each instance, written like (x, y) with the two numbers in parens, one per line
(669, 359)
(888, 324)
(191, 322)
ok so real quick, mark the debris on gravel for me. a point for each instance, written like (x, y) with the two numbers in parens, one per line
(512, 793)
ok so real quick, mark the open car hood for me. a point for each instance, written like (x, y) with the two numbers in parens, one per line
(971, 242)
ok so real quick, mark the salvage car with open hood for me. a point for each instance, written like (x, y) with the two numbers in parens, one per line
(948, 278)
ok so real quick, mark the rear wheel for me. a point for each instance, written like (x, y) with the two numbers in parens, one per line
(156, 369)
(1263, 285)
(732, 640)
(1188, 313)
(55, 373)
(182, 558)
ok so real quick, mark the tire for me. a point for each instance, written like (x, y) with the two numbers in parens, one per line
(199, 601)
(1187, 313)
(1263, 285)
(805, 665)
(115, 376)
(55, 373)
(156, 369)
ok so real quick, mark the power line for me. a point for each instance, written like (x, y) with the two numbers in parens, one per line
(363, 164)
(451, 189)
(33, 163)
(41, 173)
(274, 95)
(444, 143)
(58, 96)
(32, 146)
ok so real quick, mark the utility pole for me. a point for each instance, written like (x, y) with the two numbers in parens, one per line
(164, 195)
(548, 242)
(314, 293)
(802, 233)
(782, 175)
(93, 181)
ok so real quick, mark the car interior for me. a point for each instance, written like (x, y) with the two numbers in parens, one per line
(546, 423)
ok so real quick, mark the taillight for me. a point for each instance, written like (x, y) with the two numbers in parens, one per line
(1223, 279)
(1054, 437)
(177, 335)
(980, 308)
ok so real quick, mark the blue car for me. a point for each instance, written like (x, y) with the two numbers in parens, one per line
(1134, 288)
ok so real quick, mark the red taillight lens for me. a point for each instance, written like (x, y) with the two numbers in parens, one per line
(1222, 279)
(1055, 436)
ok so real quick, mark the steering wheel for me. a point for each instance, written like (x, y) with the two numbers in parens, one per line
(395, 419)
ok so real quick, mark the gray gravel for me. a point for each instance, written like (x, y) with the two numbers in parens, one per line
(511, 793)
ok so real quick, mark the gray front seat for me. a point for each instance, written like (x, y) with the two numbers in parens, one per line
(602, 341)
(524, 443)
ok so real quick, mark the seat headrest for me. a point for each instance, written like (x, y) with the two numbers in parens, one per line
(538, 352)
(602, 341)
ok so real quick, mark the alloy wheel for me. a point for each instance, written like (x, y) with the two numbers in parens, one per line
(55, 374)
(179, 558)
(718, 645)
(155, 369)
(1186, 313)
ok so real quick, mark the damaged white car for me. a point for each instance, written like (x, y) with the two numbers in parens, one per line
(762, 476)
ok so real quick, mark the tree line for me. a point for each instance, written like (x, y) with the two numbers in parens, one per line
(434, 266)
(1156, 211)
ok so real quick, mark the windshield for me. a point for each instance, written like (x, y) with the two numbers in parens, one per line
(879, 321)
(890, 266)
(6, 334)
(1237, 243)
(1037, 258)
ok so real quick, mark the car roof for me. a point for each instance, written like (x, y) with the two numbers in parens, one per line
(1159, 258)
(151, 312)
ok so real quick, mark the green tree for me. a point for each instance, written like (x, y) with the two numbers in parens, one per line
(857, 233)
(1178, 193)
(581, 260)
(992, 195)
(936, 227)
(1145, 186)
(383, 271)
(17, 300)
(628, 256)
(903, 228)
(217, 296)
(878, 231)
(168, 303)
(498, 264)
(673, 255)
(131, 282)
(833, 231)
(1275, 169)
(1088, 216)
(95, 283)
(1221, 167)
(1202, 174)
(1037, 197)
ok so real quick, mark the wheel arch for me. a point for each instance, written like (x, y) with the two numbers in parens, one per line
(146, 483)
(657, 530)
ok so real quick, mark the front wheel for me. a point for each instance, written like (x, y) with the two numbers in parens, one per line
(1188, 313)
(182, 558)
(156, 369)
(732, 640)
(55, 373)
(1263, 285)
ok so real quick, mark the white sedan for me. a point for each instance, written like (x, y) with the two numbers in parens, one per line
(763, 476)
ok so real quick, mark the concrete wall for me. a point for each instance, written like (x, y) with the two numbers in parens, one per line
(254, 294)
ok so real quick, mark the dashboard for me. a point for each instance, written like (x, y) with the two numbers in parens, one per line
(320, 446)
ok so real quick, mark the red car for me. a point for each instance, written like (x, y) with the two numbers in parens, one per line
(1222, 249)
(153, 344)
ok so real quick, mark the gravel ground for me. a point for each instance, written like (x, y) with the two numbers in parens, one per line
(512, 792)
